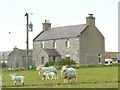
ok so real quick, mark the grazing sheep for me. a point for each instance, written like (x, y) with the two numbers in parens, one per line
(68, 74)
(17, 78)
(46, 69)
(47, 75)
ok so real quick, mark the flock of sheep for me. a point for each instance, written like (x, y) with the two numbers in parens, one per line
(49, 73)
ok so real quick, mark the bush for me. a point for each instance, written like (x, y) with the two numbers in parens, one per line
(66, 61)
(50, 63)
(61, 62)
(4, 65)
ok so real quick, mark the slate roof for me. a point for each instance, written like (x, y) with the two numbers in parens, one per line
(61, 32)
(23, 52)
(111, 54)
(52, 53)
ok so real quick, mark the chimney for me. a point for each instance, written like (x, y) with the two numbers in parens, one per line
(15, 48)
(46, 25)
(90, 20)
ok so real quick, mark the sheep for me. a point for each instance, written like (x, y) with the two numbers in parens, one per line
(68, 74)
(15, 78)
(46, 69)
(47, 75)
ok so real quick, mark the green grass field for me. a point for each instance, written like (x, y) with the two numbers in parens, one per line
(90, 77)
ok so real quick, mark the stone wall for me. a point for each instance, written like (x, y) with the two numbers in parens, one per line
(72, 50)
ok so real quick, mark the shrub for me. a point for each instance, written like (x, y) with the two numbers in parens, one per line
(61, 62)
(4, 65)
(50, 63)
(66, 61)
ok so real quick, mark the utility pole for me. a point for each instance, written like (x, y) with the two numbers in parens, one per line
(27, 41)
(29, 27)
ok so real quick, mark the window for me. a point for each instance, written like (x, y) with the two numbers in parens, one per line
(42, 44)
(54, 44)
(67, 43)
(42, 60)
(67, 56)
(2, 54)
(53, 59)
(99, 58)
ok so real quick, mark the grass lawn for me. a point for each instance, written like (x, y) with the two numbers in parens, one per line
(90, 77)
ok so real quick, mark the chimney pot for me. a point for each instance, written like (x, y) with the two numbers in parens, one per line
(15, 48)
(91, 15)
(90, 20)
(46, 25)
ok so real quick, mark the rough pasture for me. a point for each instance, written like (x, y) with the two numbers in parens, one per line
(97, 77)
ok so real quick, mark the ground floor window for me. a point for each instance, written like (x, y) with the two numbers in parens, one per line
(67, 56)
(99, 58)
(53, 59)
(42, 60)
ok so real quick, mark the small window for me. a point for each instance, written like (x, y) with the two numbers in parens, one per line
(67, 56)
(53, 59)
(54, 44)
(99, 58)
(42, 60)
(8, 53)
(2, 54)
(67, 43)
(42, 44)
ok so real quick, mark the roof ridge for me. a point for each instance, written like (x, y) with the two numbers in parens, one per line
(67, 26)
(61, 32)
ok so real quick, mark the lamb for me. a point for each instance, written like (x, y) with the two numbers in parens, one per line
(47, 75)
(15, 78)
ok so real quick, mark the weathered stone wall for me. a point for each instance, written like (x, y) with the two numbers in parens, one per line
(72, 51)
(15, 60)
(36, 51)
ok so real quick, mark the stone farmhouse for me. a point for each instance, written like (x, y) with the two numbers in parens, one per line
(17, 59)
(83, 43)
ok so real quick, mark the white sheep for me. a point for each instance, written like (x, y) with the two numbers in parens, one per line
(68, 74)
(47, 69)
(47, 75)
(17, 78)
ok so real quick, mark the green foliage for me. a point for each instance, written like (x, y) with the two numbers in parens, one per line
(50, 63)
(4, 65)
(66, 61)
(61, 62)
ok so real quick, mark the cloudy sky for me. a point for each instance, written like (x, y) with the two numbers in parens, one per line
(59, 13)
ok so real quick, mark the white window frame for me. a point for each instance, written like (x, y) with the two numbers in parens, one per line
(67, 43)
(54, 44)
(42, 44)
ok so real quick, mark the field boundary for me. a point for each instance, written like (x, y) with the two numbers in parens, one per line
(49, 84)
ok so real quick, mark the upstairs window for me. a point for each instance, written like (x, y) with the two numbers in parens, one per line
(67, 43)
(54, 44)
(42, 44)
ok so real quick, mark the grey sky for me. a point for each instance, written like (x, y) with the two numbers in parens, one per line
(60, 13)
